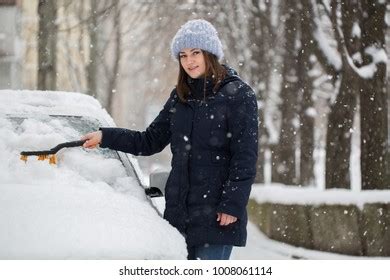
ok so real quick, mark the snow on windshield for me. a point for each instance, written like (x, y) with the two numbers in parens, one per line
(85, 207)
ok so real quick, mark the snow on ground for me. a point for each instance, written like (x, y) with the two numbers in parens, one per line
(260, 247)
(256, 247)
(85, 207)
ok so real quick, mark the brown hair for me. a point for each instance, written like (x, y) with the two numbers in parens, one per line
(214, 70)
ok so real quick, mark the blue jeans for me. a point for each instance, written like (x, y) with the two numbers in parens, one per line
(209, 252)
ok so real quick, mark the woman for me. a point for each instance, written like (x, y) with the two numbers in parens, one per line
(210, 120)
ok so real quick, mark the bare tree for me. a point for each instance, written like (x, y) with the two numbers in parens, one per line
(340, 119)
(358, 29)
(73, 68)
(92, 64)
(47, 44)
(261, 36)
(374, 121)
(283, 161)
(97, 64)
(306, 112)
(114, 73)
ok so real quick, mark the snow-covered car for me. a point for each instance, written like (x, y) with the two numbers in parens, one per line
(90, 205)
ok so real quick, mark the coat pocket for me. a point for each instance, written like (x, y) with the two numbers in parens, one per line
(203, 215)
(206, 187)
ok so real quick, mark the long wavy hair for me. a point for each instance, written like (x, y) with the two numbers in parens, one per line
(214, 71)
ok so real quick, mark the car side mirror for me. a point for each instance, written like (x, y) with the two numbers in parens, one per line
(158, 180)
(153, 192)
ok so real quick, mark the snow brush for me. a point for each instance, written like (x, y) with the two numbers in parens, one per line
(51, 154)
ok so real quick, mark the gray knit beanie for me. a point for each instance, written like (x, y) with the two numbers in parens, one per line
(197, 33)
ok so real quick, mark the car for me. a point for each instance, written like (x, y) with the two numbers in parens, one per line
(91, 204)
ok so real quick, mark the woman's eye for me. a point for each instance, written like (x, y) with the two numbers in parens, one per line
(196, 52)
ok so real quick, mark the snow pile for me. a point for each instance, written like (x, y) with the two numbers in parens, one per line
(278, 193)
(85, 207)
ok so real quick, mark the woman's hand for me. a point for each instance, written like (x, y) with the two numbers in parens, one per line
(225, 219)
(93, 139)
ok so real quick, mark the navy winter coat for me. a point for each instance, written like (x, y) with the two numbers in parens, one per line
(214, 148)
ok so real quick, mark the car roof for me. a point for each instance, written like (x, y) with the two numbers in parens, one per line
(24, 102)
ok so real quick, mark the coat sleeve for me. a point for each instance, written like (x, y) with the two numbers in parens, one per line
(243, 126)
(153, 140)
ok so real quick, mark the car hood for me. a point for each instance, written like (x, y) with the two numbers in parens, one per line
(58, 221)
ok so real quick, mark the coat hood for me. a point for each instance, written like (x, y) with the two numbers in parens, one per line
(231, 76)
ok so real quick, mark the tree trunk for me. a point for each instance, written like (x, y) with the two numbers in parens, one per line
(340, 119)
(374, 122)
(306, 131)
(338, 138)
(47, 43)
(113, 78)
(260, 69)
(284, 170)
(93, 50)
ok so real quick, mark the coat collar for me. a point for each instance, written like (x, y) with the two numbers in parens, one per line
(196, 86)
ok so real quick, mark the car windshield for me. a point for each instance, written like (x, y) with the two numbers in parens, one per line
(79, 125)
(29, 133)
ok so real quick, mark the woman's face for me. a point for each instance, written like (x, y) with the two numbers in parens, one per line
(192, 60)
